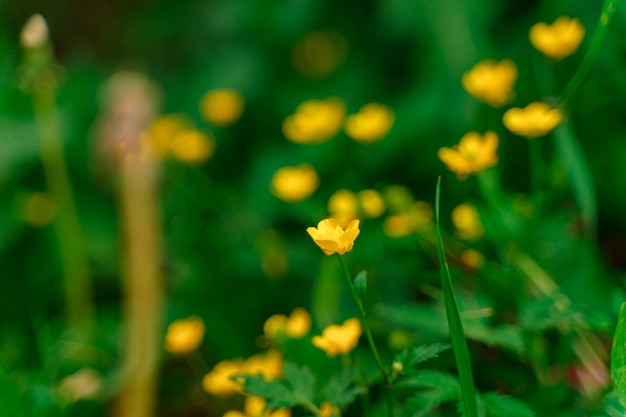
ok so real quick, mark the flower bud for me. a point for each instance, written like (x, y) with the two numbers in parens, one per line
(35, 32)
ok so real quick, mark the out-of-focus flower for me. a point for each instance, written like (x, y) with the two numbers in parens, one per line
(558, 40)
(329, 410)
(269, 365)
(315, 121)
(164, 129)
(255, 407)
(473, 154)
(398, 198)
(536, 119)
(332, 238)
(83, 385)
(371, 123)
(472, 258)
(294, 184)
(192, 146)
(371, 203)
(319, 53)
(417, 218)
(184, 335)
(35, 32)
(343, 206)
(218, 381)
(491, 82)
(38, 209)
(466, 220)
(339, 339)
(222, 107)
(296, 326)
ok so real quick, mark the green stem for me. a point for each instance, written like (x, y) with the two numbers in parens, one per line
(368, 333)
(608, 10)
(76, 283)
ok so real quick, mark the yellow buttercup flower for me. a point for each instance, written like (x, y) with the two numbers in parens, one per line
(491, 82)
(296, 326)
(315, 121)
(372, 203)
(332, 238)
(371, 123)
(466, 220)
(473, 154)
(184, 335)
(319, 53)
(255, 407)
(164, 129)
(218, 381)
(329, 410)
(536, 119)
(559, 39)
(294, 184)
(192, 146)
(222, 107)
(269, 365)
(339, 339)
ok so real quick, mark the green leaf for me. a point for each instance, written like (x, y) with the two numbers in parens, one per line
(300, 379)
(459, 344)
(618, 356)
(10, 397)
(360, 284)
(497, 405)
(435, 388)
(341, 390)
(418, 354)
(275, 392)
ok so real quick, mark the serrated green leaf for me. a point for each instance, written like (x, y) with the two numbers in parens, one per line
(360, 284)
(275, 392)
(418, 354)
(435, 387)
(341, 389)
(300, 379)
(497, 405)
(618, 356)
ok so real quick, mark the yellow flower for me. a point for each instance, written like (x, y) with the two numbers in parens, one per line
(296, 326)
(328, 410)
(184, 335)
(339, 339)
(222, 107)
(332, 238)
(559, 39)
(472, 258)
(294, 184)
(269, 365)
(218, 381)
(491, 82)
(372, 203)
(536, 119)
(164, 129)
(319, 53)
(315, 121)
(418, 217)
(255, 407)
(371, 123)
(473, 154)
(466, 219)
(343, 206)
(192, 146)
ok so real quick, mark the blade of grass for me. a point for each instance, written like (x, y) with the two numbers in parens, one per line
(459, 343)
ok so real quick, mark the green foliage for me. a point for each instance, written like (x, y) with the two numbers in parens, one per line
(618, 356)
(414, 356)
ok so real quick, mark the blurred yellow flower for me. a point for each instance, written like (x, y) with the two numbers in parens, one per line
(397, 197)
(192, 146)
(315, 121)
(339, 339)
(536, 119)
(466, 220)
(184, 335)
(319, 53)
(38, 209)
(418, 217)
(269, 365)
(255, 407)
(218, 381)
(296, 326)
(491, 82)
(294, 184)
(371, 123)
(473, 154)
(558, 40)
(343, 206)
(372, 203)
(164, 129)
(222, 107)
(332, 238)
(472, 258)
(329, 410)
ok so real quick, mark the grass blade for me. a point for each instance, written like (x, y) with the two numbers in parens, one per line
(459, 344)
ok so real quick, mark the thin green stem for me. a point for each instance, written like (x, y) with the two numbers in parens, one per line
(608, 10)
(368, 334)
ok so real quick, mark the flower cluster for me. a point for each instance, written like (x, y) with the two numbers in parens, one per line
(372, 122)
(315, 121)
(294, 184)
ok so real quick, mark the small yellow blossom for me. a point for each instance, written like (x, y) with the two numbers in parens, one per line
(294, 184)
(192, 146)
(218, 381)
(473, 154)
(184, 335)
(417, 218)
(466, 220)
(222, 107)
(559, 39)
(255, 407)
(315, 121)
(491, 82)
(319, 53)
(164, 129)
(371, 123)
(339, 339)
(372, 203)
(296, 326)
(332, 238)
(343, 206)
(38, 209)
(329, 410)
(269, 365)
(472, 258)
(536, 119)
